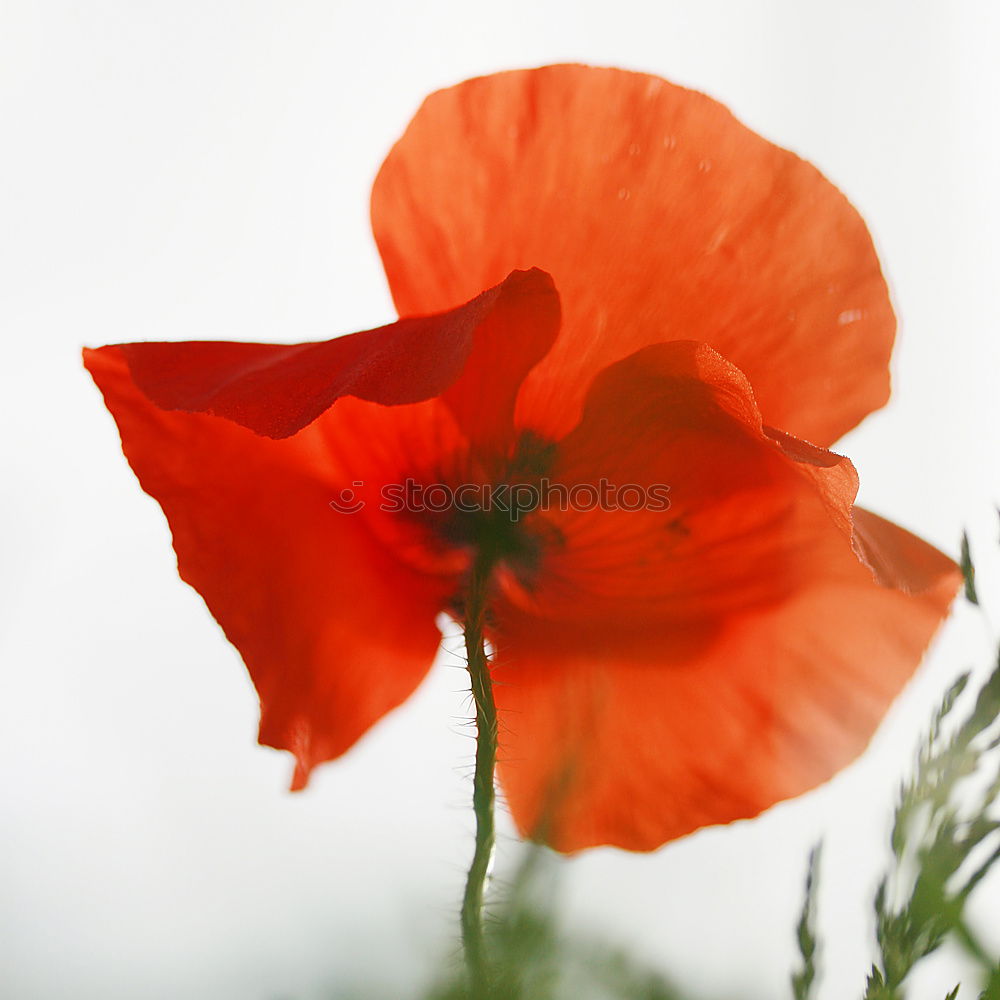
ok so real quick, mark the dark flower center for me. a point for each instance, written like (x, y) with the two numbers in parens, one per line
(492, 519)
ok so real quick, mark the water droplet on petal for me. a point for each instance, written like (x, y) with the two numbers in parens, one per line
(850, 316)
(704, 166)
(624, 194)
(669, 141)
(635, 149)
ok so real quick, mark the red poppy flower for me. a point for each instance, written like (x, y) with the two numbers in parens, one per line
(674, 665)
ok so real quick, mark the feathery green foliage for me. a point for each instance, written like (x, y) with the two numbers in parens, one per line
(943, 825)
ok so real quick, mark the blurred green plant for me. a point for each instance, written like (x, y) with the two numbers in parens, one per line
(804, 978)
(532, 959)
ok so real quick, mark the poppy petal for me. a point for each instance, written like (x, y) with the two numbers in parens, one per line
(474, 356)
(334, 629)
(895, 557)
(660, 217)
(643, 739)
(706, 512)
(673, 668)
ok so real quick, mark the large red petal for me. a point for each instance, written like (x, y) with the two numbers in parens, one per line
(643, 739)
(660, 217)
(474, 356)
(668, 669)
(895, 557)
(334, 629)
(749, 512)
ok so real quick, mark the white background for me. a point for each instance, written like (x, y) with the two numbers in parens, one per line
(181, 170)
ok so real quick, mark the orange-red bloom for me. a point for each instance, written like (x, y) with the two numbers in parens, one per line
(720, 320)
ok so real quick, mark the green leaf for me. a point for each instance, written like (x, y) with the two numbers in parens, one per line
(968, 571)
